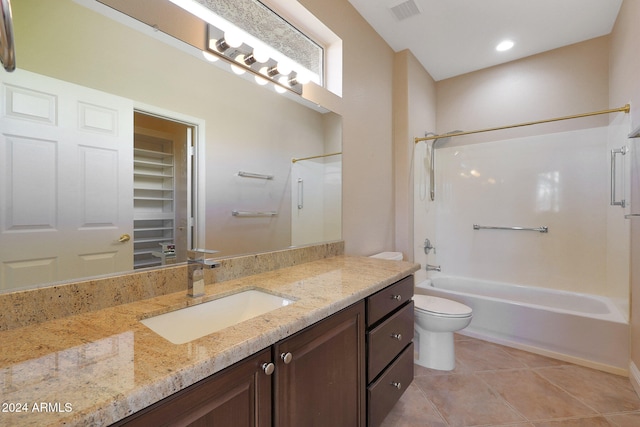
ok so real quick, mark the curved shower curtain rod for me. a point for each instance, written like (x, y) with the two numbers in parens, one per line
(624, 109)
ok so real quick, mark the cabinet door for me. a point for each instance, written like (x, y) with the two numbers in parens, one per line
(239, 396)
(324, 382)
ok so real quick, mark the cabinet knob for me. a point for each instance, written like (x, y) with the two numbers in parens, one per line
(286, 358)
(396, 385)
(396, 297)
(397, 336)
(268, 368)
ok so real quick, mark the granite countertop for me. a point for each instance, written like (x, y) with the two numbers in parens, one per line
(96, 368)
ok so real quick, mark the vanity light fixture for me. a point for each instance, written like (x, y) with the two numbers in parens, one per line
(504, 45)
(246, 53)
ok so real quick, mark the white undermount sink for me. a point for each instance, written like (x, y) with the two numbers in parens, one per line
(187, 324)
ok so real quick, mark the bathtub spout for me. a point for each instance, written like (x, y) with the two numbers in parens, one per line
(430, 267)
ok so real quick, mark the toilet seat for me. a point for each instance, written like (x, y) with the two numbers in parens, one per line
(441, 306)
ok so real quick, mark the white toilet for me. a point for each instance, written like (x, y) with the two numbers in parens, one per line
(436, 319)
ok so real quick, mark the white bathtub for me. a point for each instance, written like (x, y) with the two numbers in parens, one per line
(579, 328)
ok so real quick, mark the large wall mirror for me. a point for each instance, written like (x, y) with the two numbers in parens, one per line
(98, 171)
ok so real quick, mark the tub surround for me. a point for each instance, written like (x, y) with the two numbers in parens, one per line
(99, 366)
(22, 308)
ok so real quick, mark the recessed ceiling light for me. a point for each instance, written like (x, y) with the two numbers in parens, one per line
(504, 45)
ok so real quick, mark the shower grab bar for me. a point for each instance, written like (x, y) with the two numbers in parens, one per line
(253, 213)
(622, 203)
(542, 229)
(254, 175)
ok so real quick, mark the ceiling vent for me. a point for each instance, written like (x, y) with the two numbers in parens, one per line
(405, 9)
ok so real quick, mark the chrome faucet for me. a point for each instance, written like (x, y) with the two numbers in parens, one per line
(430, 267)
(196, 262)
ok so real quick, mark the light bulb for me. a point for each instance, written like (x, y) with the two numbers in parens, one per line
(260, 55)
(261, 80)
(303, 78)
(284, 68)
(209, 56)
(284, 81)
(238, 69)
(233, 38)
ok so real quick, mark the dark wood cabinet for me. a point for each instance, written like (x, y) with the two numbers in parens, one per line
(239, 396)
(390, 319)
(320, 374)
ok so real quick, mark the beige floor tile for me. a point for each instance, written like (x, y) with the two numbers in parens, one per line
(483, 356)
(533, 360)
(625, 420)
(601, 391)
(465, 400)
(580, 422)
(413, 410)
(533, 396)
(460, 368)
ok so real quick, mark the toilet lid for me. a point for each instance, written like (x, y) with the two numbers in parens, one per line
(441, 306)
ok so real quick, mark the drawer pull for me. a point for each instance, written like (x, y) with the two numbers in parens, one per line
(397, 336)
(396, 297)
(286, 358)
(396, 385)
(268, 368)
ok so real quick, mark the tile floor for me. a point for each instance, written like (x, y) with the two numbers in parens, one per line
(493, 385)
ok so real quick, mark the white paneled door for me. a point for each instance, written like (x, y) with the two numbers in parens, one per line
(66, 174)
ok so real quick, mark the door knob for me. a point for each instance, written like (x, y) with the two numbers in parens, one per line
(286, 358)
(124, 238)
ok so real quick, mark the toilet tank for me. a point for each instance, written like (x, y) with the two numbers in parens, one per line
(395, 256)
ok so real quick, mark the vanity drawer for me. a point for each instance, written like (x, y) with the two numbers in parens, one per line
(385, 392)
(390, 298)
(388, 339)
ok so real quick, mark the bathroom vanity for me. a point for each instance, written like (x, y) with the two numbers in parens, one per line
(322, 357)
(314, 377)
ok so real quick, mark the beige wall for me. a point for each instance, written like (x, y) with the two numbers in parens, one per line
(624, 86)
(569, 80)
(414, 100)
(368, 219)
